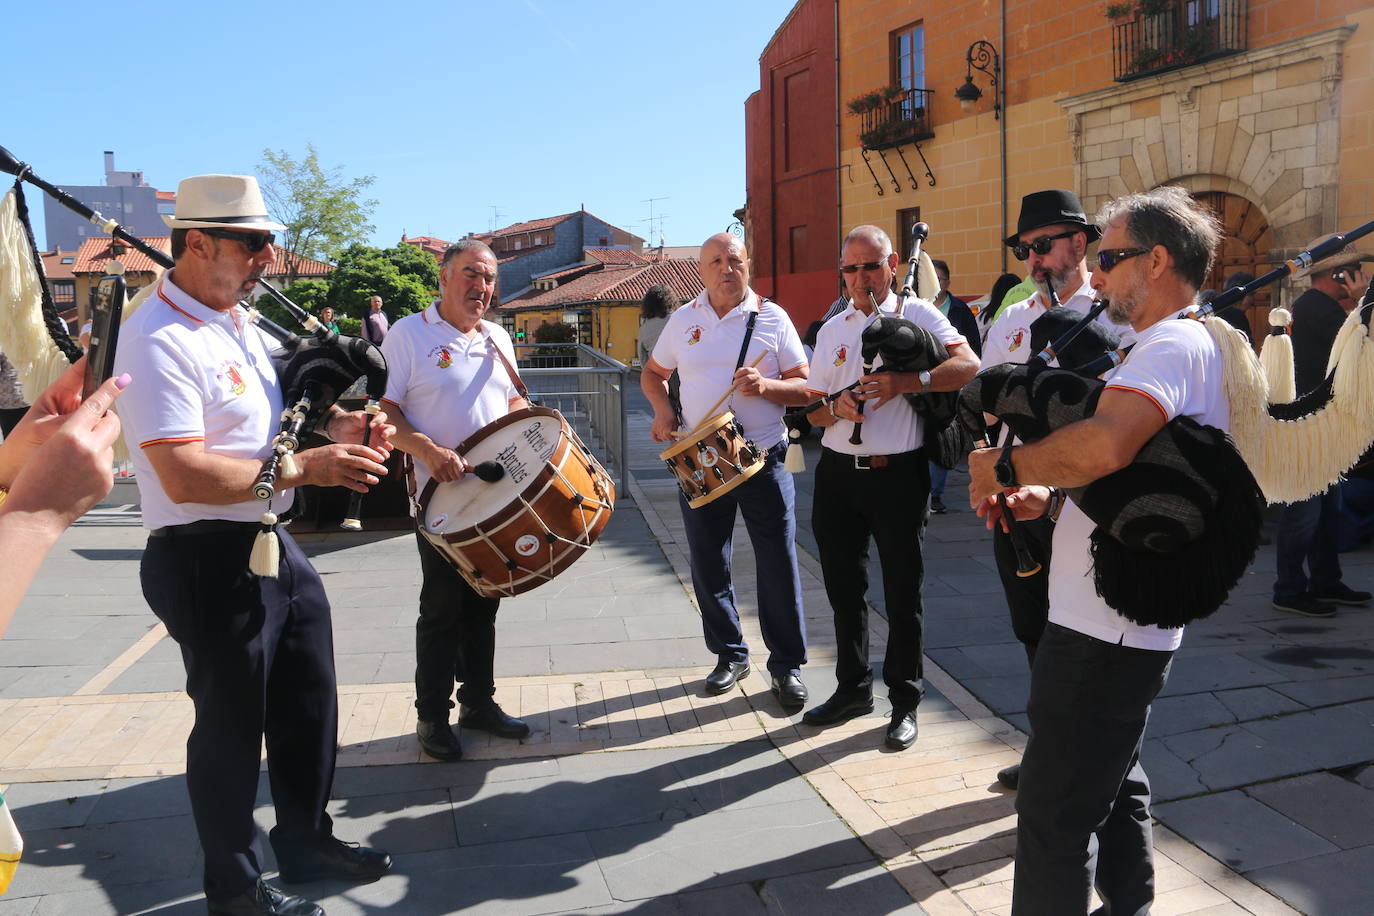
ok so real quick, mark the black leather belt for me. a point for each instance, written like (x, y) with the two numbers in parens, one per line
(205, 526)
(873, 462)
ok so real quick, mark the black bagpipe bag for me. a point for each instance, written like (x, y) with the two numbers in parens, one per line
(1176, 528)
(908, 347)
(324, 370)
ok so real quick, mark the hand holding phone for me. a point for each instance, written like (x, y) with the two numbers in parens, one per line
(106, 309)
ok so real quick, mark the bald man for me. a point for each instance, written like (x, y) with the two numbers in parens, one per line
(713, 342)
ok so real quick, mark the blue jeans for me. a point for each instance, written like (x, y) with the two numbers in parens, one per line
(767, 502)
(937, 481)
(1307, 532)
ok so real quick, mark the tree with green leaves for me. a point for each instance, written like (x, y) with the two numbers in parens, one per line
(403, 276)
(322, 211)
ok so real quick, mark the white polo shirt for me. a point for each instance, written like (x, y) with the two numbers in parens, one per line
(1179, 368)
(448, 384)
(198, 375)
(704, 348)
(1009, 338)
(895, 427)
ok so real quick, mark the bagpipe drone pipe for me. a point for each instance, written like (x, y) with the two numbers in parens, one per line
(1177, 527)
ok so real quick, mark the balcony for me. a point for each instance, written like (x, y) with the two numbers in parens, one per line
(892, 116)
(1153, 36)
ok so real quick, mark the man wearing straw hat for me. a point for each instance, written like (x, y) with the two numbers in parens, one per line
(715, 343)
(1308, 528)
(258, 651)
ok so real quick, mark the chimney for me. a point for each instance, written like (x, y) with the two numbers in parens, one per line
(109, 162)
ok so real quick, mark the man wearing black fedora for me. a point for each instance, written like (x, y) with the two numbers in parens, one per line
(258, 649)
(1052, 237)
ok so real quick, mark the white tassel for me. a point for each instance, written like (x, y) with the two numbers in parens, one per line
(23, 336)
(266, 556)
(1276, 356)
(288, 464)
(927, 281)
(795, 461)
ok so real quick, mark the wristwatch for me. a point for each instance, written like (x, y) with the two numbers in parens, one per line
(924, 377)
(1005, 471)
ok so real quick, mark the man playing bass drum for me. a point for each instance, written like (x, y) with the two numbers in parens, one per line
(1083, 804)
(446, 381)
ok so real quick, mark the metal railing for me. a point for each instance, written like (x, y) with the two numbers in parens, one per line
(1176, 34)
(905, 118)
(588, 388)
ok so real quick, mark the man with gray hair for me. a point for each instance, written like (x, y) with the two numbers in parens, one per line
(876, 488)
(446, 379)
(1084, 800)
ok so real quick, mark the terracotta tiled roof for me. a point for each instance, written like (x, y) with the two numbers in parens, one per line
(94, 254)
(615, 256)
(53, 268)
(567, 272)
(305, 267)
(615, 284)
(166, 195)
(528, 226)
(428, 243)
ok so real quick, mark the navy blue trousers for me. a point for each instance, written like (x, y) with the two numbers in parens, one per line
(1308, 532)
(455, 639)
(259, 656)
(767, 502)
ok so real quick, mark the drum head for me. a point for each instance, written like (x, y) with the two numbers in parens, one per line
(521, 443)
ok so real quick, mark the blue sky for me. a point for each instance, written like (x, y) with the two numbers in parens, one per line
(534, 106)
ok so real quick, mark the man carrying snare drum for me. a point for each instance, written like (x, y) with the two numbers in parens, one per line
(445, 381)
(730, 338)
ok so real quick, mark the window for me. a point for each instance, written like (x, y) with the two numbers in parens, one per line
(518, 245)
(69, 259)
(909, 57)
(901, 242)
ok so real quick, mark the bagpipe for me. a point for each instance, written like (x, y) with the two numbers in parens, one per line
(314, 371)
(907, 347)
(1178, 527)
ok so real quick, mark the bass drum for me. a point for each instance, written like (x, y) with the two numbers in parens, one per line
(516, 533)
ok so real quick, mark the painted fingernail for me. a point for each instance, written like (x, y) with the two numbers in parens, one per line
(123, 381)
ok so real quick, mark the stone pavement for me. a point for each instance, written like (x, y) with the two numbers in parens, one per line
(638, 793)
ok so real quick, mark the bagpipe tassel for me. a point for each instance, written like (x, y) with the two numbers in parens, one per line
(795, 461)
(23, 335)
(927, 281)
(266, 556)
(1276, 356)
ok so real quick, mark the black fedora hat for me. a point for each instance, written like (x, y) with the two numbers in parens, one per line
(1051, 208)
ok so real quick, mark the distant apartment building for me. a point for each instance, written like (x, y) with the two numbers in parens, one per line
(124, 197)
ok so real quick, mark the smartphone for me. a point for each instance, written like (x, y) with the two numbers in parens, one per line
(106, 308)
(1339, 276)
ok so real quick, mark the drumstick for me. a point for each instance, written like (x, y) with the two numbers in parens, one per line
(711, 411)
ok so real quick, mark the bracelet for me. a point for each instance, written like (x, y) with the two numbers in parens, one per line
(1055, 504)
(830, 406)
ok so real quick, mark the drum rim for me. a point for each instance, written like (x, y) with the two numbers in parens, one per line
(693, 436)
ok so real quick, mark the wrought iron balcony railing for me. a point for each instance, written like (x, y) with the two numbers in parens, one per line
(890, 117)
(1168, 34)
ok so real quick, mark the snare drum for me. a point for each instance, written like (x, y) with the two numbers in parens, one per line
(713, 459)
(511, 535)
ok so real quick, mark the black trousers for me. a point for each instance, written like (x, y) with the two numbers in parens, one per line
(1028, 599)
(455, 639)
(1083, 803)
(259, 656)
(888, 505)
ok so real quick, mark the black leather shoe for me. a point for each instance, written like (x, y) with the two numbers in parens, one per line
(262, 899)
(839, 708)
(790, 691)
(332, 858)
(438, 740)
(491, 718)
(1010, 777)
(725, 675)
(901, 734)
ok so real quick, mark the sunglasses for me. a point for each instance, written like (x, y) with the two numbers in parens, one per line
(855, 268)
(254, 242)
(1040, 246)
(1108, 258)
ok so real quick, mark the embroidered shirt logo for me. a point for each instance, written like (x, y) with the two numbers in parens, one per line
(442, 358)
(840, 354)
(1016, 340)
(693, 334)
(229, 371)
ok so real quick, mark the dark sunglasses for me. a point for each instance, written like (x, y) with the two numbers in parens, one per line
(254, 241)
(1040, 246)
(1108, 258)
(855, 268)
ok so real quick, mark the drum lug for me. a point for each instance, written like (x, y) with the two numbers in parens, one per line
(512, 565)
(720, 475)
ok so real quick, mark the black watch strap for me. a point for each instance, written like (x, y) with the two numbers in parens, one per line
(1004, 469)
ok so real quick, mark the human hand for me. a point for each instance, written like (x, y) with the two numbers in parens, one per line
(846, 407)
(982, 475)
(356, 467)
(1024, 503)
(1356, 282)
(750, 381)
(350, 426)
(73, 468)
(663, 426)
(444, 464)
(41, 421)
(881, 387)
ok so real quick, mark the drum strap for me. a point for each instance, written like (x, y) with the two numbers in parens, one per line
(748, 335)
(510, 370)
